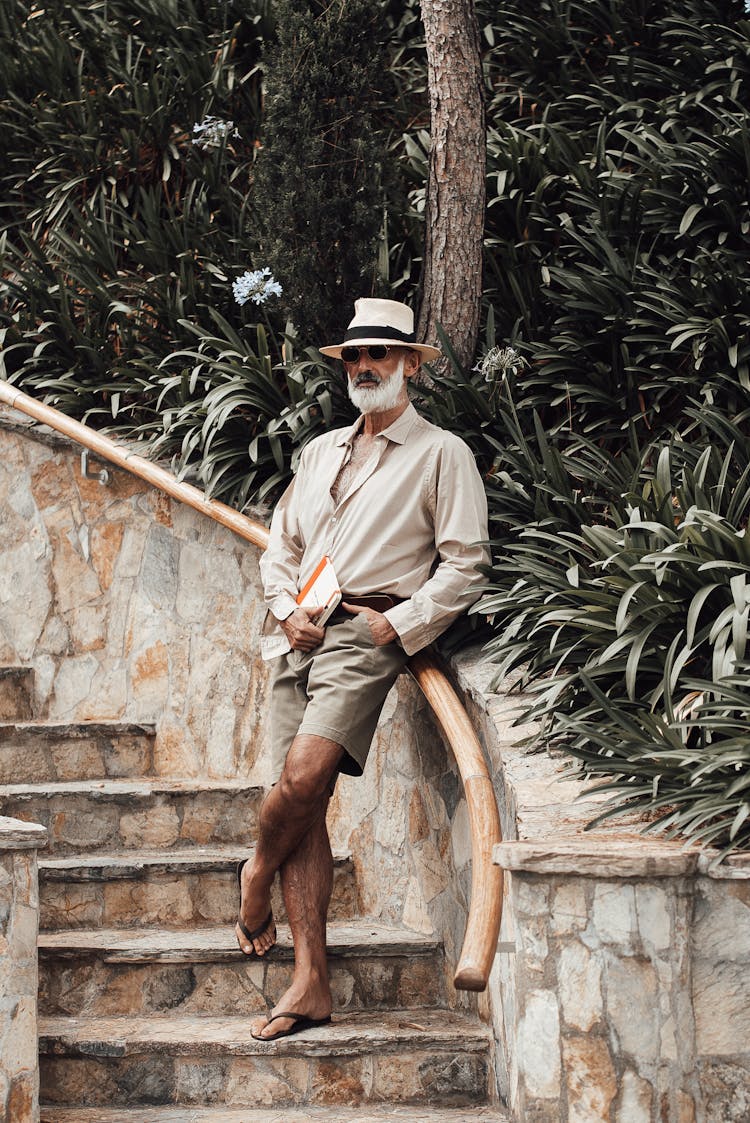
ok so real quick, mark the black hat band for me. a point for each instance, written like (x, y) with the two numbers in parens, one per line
(379, 333)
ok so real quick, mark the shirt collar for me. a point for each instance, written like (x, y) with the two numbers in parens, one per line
(397, 431)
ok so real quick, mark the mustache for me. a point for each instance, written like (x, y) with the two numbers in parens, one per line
(367, 376)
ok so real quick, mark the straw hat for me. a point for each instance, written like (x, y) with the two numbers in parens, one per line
(381, 321)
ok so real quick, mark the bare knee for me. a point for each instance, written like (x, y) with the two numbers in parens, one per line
(309, 768)
(303, 785)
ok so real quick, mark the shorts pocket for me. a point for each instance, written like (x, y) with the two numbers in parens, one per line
(364, 627)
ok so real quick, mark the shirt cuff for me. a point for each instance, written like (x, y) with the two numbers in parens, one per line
(411, 630)
(282, 606)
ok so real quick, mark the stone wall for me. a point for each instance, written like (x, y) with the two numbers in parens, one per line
(19, 924)
(136, 608)
(625, 996)
(720, 991)
(408, 815)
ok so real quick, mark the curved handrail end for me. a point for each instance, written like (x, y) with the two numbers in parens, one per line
(470, 978)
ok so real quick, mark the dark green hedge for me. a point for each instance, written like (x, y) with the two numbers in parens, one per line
(618, 218)
(618, 265)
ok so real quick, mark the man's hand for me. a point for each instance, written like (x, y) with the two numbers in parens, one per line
(379, 625)
(299, 629)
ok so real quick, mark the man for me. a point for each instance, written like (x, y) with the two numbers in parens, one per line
(400, 508)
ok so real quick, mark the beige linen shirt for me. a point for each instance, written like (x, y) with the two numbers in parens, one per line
(413, 524)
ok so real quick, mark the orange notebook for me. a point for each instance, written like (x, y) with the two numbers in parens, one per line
(321, 590)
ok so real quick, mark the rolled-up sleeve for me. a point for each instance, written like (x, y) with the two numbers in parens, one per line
(458, 499)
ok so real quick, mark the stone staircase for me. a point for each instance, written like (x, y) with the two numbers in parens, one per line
(144, 998)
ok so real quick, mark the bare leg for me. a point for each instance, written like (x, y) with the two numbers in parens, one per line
(307, 882)
(289, 810)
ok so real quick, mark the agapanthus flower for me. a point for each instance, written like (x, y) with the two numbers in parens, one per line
(500, 361)
(256, 285)
(212, 132)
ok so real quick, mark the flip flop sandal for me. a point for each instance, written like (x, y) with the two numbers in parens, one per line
(301, 1021)
(246, 932)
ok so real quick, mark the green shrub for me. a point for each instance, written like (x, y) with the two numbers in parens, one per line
(319, 194)
(128, 142)
(618, 212)
(234, 420)
(622, 591)
(120, 219)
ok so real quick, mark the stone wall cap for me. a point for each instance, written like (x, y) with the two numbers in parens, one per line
(589, 857)
(17, 835)
(546, 804)
(735, 867)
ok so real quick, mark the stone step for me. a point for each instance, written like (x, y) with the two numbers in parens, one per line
(16, 693)
(425, 1056)
(173, 888)
(198, 972)
(382, 1113)
(40, 752)
(130, 814)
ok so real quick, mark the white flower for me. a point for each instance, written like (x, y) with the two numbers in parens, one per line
(212, 132)
(500, 360)
(256, 286)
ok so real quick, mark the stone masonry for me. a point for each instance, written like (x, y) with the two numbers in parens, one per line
(19, 923)
(626, 998)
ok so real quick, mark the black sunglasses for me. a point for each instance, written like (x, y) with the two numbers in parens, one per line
(377, 352)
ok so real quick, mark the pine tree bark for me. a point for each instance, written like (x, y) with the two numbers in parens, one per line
(452, 271)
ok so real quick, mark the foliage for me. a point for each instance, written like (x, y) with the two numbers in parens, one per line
(237, 421)
(119, 221)
(618, 212)
(622, 591)
(616, 264)
(128, 142)
(318, 188)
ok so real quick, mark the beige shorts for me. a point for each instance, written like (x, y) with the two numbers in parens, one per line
(336, 691)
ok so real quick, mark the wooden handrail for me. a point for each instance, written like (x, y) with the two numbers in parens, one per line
(485, 906)
(486, 903)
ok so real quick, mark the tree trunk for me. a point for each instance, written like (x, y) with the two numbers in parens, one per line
(452, 272)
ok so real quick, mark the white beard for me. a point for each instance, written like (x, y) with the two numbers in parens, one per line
(380, 398)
